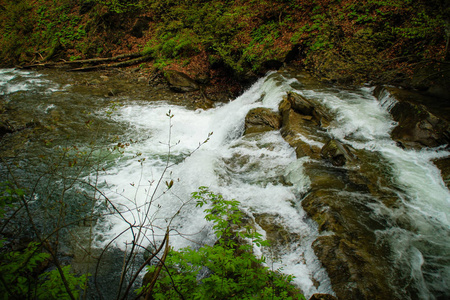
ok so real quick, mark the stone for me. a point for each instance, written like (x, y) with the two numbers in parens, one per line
(417, 127)
(139, 27)
(276, 233)
(262, 119)
(296, 128)
(300, 104)
(309, 109)
(443, 165)
(355, 263)
(322, 297)
(422, 121)
(337, 153)
(180, 82)
(304, 149)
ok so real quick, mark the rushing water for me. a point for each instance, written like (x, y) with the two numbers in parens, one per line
(252, 169)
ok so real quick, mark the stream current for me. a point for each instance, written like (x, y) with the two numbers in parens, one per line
(261, 171)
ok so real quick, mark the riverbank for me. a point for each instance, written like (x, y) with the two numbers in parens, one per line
(231, 44)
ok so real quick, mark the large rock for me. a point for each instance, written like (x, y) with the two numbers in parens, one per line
(443, 165)
(417, 127)
(354, 273)
(300, 104)
(308, 107)
(339, 201)
(322, 297)
(355, 262)
(422, 121)
(276, 233)
(180, 82)
(262, 119)
(298, 129)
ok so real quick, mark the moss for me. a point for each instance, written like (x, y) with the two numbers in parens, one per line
(376, 40)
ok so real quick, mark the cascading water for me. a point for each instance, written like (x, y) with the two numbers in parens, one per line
(421, 248)
(254, 169)
(248, 169)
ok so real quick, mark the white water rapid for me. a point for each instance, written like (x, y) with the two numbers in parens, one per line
(254, 170)
(246, 169)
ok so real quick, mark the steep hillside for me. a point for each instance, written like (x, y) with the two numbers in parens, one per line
(339, 40)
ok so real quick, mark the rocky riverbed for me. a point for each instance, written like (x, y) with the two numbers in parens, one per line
(356, 196)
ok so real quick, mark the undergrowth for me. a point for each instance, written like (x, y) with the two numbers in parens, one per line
(229, 269)
(337, 40)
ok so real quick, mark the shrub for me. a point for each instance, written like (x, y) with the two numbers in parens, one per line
(226, 270)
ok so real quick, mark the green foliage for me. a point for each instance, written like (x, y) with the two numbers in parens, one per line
(57, 26)
(21, 278)
(22, 274)
(233, 271)
(52, 286)
(239, 36)
(121, 6)
(357, 41)
(16, 21)
(9, 196)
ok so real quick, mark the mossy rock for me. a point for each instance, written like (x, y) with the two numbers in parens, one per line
(180, 82)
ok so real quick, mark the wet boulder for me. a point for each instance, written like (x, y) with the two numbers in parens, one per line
(276, 233)
(443, 165)
(300, 104)
(297, 128)
(339, 201)
(417, 127)
(262, 119)
(308, 108)
(354, 273)
(423, 121)
(355, 263)
(337, 153)
(322, 297)
(180, 82)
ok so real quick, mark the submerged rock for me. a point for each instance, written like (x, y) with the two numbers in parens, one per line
(348, 249)
(276, 233)
(262, 119)
(352, 270)
(339, 200)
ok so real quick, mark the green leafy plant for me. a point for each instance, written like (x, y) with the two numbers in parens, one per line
(22, 276)
(226, 270)
(26, 274)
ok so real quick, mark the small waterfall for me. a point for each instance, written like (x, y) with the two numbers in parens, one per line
(261, 171)
(420, 232)
(387, 101)
(248, 169)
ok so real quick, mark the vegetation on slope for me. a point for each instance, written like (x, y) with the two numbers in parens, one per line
(336, 39)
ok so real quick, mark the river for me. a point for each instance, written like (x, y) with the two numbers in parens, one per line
(81, 116)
